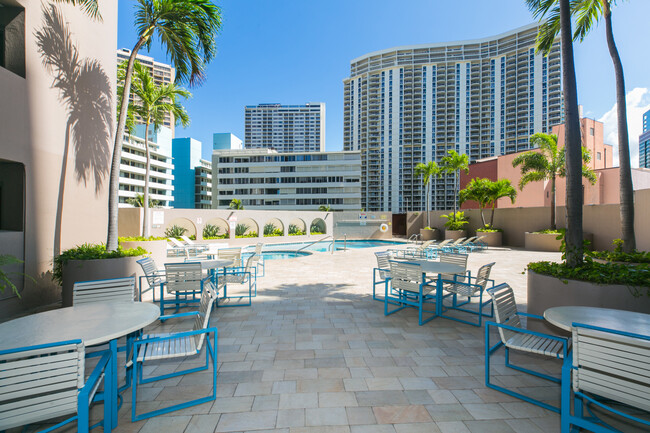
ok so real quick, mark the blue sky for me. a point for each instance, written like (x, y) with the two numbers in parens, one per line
(297, 51)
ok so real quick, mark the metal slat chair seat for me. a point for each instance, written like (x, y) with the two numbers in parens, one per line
(408, 289)
(515, 337)
(238, 275)
(171, 347)
(100, 291)
(39, 383)
(233, 254)
(154, 276)
(608, 367)
(469, 287)
(183, 280)
(381, 274)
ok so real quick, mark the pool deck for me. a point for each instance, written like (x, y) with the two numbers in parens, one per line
(314, 353)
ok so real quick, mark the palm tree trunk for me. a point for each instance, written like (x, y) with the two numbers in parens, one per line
(146, 232)
(59, 208)
(114, 182)
(553, 204)
(627, 191)
(494, 204)
(572, 144)
(426, 191)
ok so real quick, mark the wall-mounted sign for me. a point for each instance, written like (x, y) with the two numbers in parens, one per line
(158, 217)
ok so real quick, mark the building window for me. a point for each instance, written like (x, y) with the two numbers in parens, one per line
(591, 132)
(12, 39)
(598, 155)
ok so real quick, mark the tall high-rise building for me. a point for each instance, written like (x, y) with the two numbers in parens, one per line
(412, 104)
(162, 73)
(285, 128)
(644, 142)
(192, 175)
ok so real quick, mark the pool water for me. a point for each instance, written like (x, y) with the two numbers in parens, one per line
(299, 249)
(277, 255)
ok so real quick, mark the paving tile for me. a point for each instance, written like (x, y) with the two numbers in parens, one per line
(166, 423)
(291, 418)
(483, 411)
(202, 423)
(489, 426)
(336, 399)
(241, 421)
(381, 398)
(401, 414)
(360, 416)
(424, 427)
(453, 427)
(326, 416)
(372, 428)
(448, 412)
(298, 401)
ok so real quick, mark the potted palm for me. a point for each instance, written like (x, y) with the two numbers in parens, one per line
(454, 225)
(427, 171)
(486, 193)
(547, 163)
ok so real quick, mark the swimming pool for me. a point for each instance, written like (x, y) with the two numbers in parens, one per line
(278, 255)
(323, 246)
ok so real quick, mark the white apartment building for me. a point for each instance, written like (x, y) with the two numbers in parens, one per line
(162, 73)
(132, 170)
(285, 128)
(203, 185)
(266, 179)
(412, 104)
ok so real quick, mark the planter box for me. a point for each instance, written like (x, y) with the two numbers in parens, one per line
(492, 239)
(547, 241)
(455, 234)
(429, 235)
(89, 270)
(544, 292)
(157, 249)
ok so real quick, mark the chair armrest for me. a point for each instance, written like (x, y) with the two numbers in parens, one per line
(172, 316)
(534, 316)
(90, 387)
(563, 340)
(141, 341)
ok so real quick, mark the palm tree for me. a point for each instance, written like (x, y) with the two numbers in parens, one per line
(500, 188)
(561, 14)
(91, 7)
(427, 171)
(236, 204)
(324, 208)
(547, 164)
(154, 102)
(587, 13)
(478, 190)
(454, 163)
(138, 201)
(187, 29)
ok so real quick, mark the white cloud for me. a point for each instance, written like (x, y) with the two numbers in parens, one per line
(638, 102)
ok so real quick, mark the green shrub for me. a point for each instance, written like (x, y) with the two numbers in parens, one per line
(455, 222)
(488, 229)
(90, 252)
(619, 256)
(248, 235)
(317, 228)
(271, 230)
(211, 231)
(175, 231)
(221, 236)
(240, 229)
(294, 230)
(140, 238)
(7, 259)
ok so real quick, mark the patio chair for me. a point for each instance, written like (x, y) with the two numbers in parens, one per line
(197, 247)
(178, 345)
(409, 288)
(153, 275)
(609, 369)
(514, 337)
(100, 291)
(457, 259)
(381, 274)
(470, 287)
(258, 262)
(183, 280)
(238, 275)
(177, 248)
(233, 254)
(435, 249)
(42, 382)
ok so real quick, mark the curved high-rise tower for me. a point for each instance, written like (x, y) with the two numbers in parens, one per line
(411, 104)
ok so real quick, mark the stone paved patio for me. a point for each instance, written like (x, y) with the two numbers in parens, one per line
(314, 353)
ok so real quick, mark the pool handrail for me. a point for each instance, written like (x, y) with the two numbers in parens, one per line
(312, 243)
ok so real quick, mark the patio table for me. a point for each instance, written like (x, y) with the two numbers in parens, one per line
(435, 267)
(618, 320)
(92, 323)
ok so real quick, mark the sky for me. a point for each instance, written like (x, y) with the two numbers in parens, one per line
(298, 51)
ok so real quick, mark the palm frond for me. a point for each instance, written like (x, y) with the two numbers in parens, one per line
(90, 7)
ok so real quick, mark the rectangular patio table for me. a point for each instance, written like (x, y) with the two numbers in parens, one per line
(436, 267)
(92, 323)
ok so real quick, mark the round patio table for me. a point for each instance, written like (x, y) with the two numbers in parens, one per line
(618, 320)
(92, 323)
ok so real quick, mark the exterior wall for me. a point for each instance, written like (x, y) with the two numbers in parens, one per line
(162, 73)
(225, 141)
(265, 179)
(187, 156)
(412, 104)
(203, 185)
(37, 122)
(591, 132)
(285, 128)
(362, 225)
(644, 150)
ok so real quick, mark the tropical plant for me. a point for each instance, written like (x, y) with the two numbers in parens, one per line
(138, 201)
(241, 229)
(560, 13)
(211, 231)
(499, 189)
(271, 230)
(478, 190)
(5, 260)
(90, 252)
(188, 29)
(175, 231)
(294, 230)
(455, 220)
(453, 163)
(317, 228)
(547, 164)
(153, 103)
(90, 7)
(140, 238)
(427, 172)
(587, 13)
(236, 204)
(324, 208)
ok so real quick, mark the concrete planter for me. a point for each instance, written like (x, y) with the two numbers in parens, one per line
(89, 270)
(157, 249)
(429, 234)
(492, 239)
(544, 292)
(455, 234)
(541, 241)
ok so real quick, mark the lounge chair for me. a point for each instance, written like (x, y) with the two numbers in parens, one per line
(197, 247)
